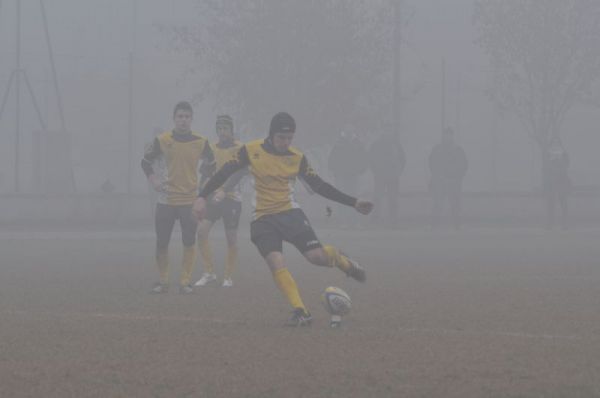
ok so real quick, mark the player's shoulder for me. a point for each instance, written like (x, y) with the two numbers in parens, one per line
(165, 135)
(164, 139)
(199, 136)
(257, 142)
(296, 151)
(213, 144)
(253, 145)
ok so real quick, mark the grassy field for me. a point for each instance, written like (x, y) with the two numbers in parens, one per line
(475, 313)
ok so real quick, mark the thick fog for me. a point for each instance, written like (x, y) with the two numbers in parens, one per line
(469, 127)
(103, 49)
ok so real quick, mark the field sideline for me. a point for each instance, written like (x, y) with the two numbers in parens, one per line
(476, 313)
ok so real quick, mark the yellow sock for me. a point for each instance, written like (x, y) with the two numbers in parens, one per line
(288, 287)
(189, 259)
(336, 259)
(230, 261)
(162, 262)
(207, 255)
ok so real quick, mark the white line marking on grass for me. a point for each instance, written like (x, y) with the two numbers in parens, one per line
(489, 333)
(127, 317)
(156, 318)
(136, 317)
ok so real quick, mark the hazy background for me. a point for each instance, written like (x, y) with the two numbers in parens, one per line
(499, 307)
(93, 40)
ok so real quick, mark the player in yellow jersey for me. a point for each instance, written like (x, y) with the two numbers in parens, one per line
(275, 166)
(225, 203)
(181, 151)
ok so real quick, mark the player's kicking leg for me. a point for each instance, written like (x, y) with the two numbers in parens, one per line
(308, 244)
(330, 256)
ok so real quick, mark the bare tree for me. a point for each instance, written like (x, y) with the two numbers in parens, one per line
(545, 57)
(326, 61)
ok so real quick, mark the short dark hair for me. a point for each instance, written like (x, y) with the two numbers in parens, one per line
(183, 106)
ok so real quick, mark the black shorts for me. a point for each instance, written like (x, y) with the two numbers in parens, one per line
(228, 209)
(268, 232)
(164, 221)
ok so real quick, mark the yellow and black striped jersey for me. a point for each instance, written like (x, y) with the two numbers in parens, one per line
(274, 176)
(182, 154)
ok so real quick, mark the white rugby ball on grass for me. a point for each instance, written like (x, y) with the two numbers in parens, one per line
(336, 301)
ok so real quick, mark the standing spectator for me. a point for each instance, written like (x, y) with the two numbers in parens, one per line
(556, 182)
(107, 187)
(387, 160)
(448, 165)
(347, 161)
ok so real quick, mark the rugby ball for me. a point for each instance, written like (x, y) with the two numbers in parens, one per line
(336, 301)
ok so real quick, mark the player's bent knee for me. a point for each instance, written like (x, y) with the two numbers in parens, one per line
(316, 257)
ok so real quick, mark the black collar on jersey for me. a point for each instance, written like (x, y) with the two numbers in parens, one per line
(225, 145)
(184, 137)
(267, 145)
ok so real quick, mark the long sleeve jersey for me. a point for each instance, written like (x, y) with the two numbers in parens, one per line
(274, 177)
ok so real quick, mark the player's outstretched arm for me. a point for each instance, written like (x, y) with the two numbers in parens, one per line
(217, 180)
(330, 192)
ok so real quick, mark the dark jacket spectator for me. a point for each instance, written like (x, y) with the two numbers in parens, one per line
(387, 157)
(448, 165)
(387, 161)
(348, 158)
(555, 166)
(347, 161)
(555, 181)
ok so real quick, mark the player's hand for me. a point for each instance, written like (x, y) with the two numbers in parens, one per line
(156, 183)
(218, 196)
(199, 208)
(363, 206)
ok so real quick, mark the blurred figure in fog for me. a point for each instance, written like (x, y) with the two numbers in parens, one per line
(107, 186)
(448, 165)
(556, 182)
(387, 160)
(348, 160)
